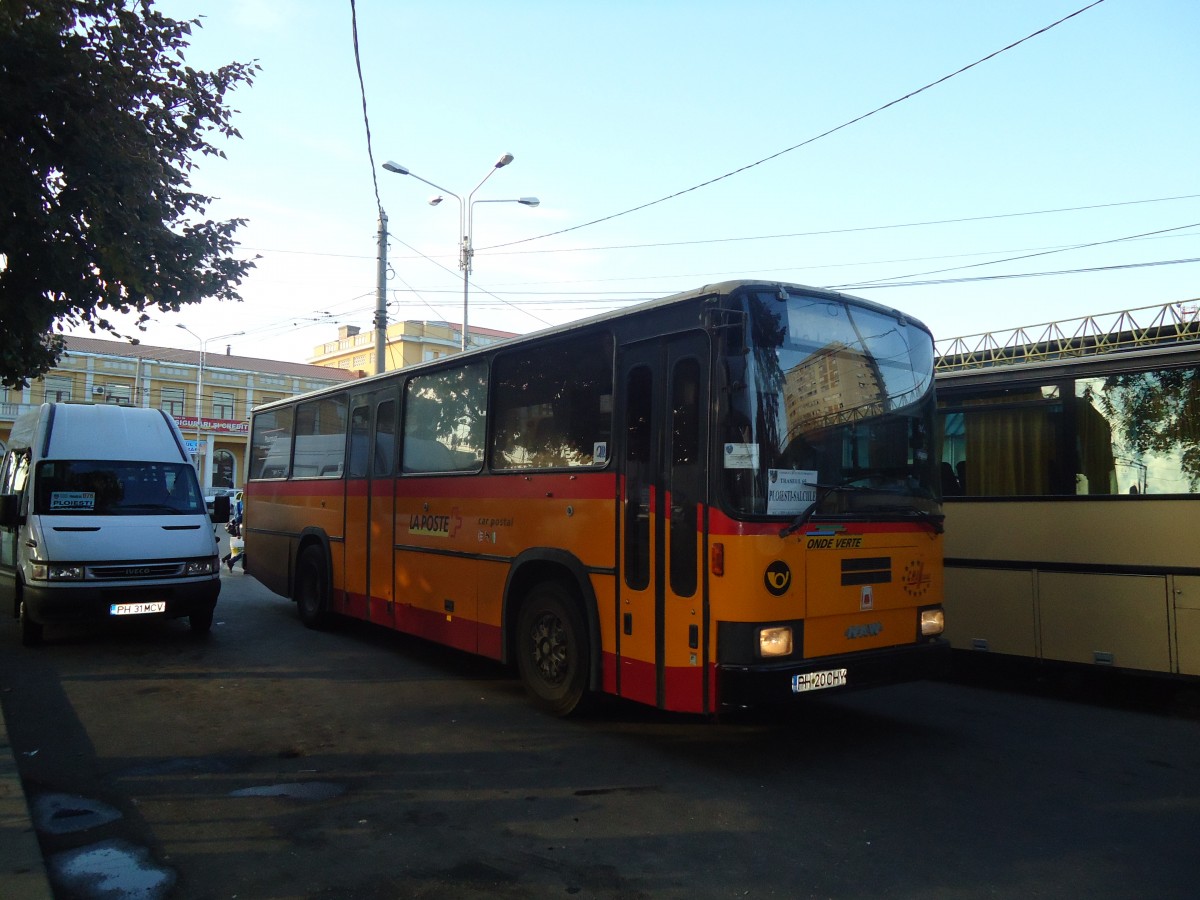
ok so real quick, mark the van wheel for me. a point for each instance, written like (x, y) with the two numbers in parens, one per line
(31, 631)
(552, 649)
(312, 602)
(201, 622)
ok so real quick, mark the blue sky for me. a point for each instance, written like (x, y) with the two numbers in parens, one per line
(607, 107)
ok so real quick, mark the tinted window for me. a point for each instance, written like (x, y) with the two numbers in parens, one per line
(444, 418)
(320, 438)
(553, 406)
(271, 444)
(385, 439)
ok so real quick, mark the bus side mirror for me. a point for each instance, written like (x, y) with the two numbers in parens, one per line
(220, 513)
(10, 510)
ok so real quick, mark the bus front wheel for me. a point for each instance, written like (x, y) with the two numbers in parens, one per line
(552, 649)
(311, 601)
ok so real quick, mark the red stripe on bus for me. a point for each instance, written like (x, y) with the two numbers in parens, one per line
(721, 524)
(444, 628)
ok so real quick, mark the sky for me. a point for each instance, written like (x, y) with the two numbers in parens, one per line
(768, 139)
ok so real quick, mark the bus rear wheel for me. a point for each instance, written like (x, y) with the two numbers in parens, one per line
(552, 649)
(312, 602)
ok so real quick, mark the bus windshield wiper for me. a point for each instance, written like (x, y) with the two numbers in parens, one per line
(935, 521)
(823, 491)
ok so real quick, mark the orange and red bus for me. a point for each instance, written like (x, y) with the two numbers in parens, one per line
(724, 498)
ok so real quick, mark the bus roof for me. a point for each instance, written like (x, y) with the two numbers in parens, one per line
(708, 290)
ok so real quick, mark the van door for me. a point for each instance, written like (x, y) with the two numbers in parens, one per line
(14, 471)
(662, 645)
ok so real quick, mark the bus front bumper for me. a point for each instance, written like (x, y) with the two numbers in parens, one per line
(742, 687)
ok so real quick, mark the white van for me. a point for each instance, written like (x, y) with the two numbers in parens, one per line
(101, 516)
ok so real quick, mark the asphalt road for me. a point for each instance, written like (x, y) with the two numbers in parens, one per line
(271, 761)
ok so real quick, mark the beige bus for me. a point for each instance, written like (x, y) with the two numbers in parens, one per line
(1070, 471)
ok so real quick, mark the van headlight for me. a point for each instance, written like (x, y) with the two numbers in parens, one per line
(201, 566)
(51, 572)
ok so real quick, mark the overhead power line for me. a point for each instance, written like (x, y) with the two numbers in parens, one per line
(567, 298)
(851, 230)
(871, 286)
(810, 140)
(417, 254)
(994, 262)
(362, 89)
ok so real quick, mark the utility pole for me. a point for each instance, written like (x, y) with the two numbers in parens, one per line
(381, 298)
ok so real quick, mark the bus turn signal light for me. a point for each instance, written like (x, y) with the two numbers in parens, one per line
(718, 559)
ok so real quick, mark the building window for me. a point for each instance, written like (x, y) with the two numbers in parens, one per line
(58, 390)
(224, 467)
(118, 393)
(222, 406)
(171, 401)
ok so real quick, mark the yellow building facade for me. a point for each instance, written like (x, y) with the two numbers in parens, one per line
(408, 343)
(100, 371)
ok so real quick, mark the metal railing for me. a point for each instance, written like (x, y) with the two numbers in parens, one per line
(1169, 323)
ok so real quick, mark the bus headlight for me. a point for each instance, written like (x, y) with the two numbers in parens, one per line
(775, 641)
(933, 621)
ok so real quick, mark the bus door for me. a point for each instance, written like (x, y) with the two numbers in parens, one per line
(371, 506)
(662, 610)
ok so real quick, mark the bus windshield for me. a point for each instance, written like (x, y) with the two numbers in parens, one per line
(117, 488)
(827, 409)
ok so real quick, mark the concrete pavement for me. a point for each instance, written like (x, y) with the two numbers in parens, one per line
(22, 869)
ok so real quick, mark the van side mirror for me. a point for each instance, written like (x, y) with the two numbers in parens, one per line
(220, 513)
(10, 510)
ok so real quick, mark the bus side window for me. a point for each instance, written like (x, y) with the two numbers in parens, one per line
(553, 406)
(686, 474)
(444, 419)
(638, 476)
(271, 444)
(360, 426)
(384, 456)
(320, 437)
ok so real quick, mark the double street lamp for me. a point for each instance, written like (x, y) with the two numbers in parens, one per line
(466, 217)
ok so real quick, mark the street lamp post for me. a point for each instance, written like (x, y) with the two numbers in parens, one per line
(465, 217)
(200, 382)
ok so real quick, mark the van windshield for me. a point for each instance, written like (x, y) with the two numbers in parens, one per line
(117, 488)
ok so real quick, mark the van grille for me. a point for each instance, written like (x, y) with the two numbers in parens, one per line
(132, 572)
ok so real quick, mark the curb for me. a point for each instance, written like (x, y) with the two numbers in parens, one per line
(22, 869)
